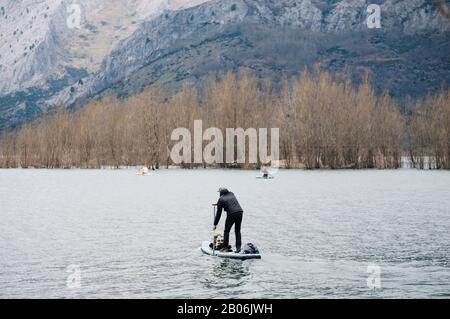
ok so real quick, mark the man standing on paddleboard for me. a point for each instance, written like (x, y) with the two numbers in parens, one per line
(230, 204)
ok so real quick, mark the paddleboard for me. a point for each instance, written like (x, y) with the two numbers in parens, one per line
(242, 256)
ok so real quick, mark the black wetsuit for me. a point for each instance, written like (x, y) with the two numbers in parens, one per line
(230, 204)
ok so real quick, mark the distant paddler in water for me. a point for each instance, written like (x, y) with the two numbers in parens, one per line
(265, 174)
(143, 171)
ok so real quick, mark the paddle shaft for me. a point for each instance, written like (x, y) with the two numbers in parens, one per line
(214, 231)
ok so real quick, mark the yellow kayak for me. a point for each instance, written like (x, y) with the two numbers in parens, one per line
(143, 174)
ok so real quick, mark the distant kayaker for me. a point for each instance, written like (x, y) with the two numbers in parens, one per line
(230, 204)
(265, 172)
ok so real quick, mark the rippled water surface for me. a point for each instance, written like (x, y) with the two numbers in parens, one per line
(139, 237)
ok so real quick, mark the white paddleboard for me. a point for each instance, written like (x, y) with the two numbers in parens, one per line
(209, 251)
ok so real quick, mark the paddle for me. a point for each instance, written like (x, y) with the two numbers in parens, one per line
(214, 229)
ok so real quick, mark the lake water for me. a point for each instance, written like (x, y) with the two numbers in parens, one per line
(321, 234)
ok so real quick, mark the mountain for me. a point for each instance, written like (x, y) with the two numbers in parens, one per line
(122, 46)
(44, 52)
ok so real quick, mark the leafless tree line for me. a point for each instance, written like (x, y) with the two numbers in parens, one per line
(323, 123)
(429, 132)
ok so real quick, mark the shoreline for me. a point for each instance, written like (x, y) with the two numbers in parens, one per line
(426, 164)
(137, 168)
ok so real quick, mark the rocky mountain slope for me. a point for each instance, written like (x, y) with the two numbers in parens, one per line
(123, 46)
(39, 39)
